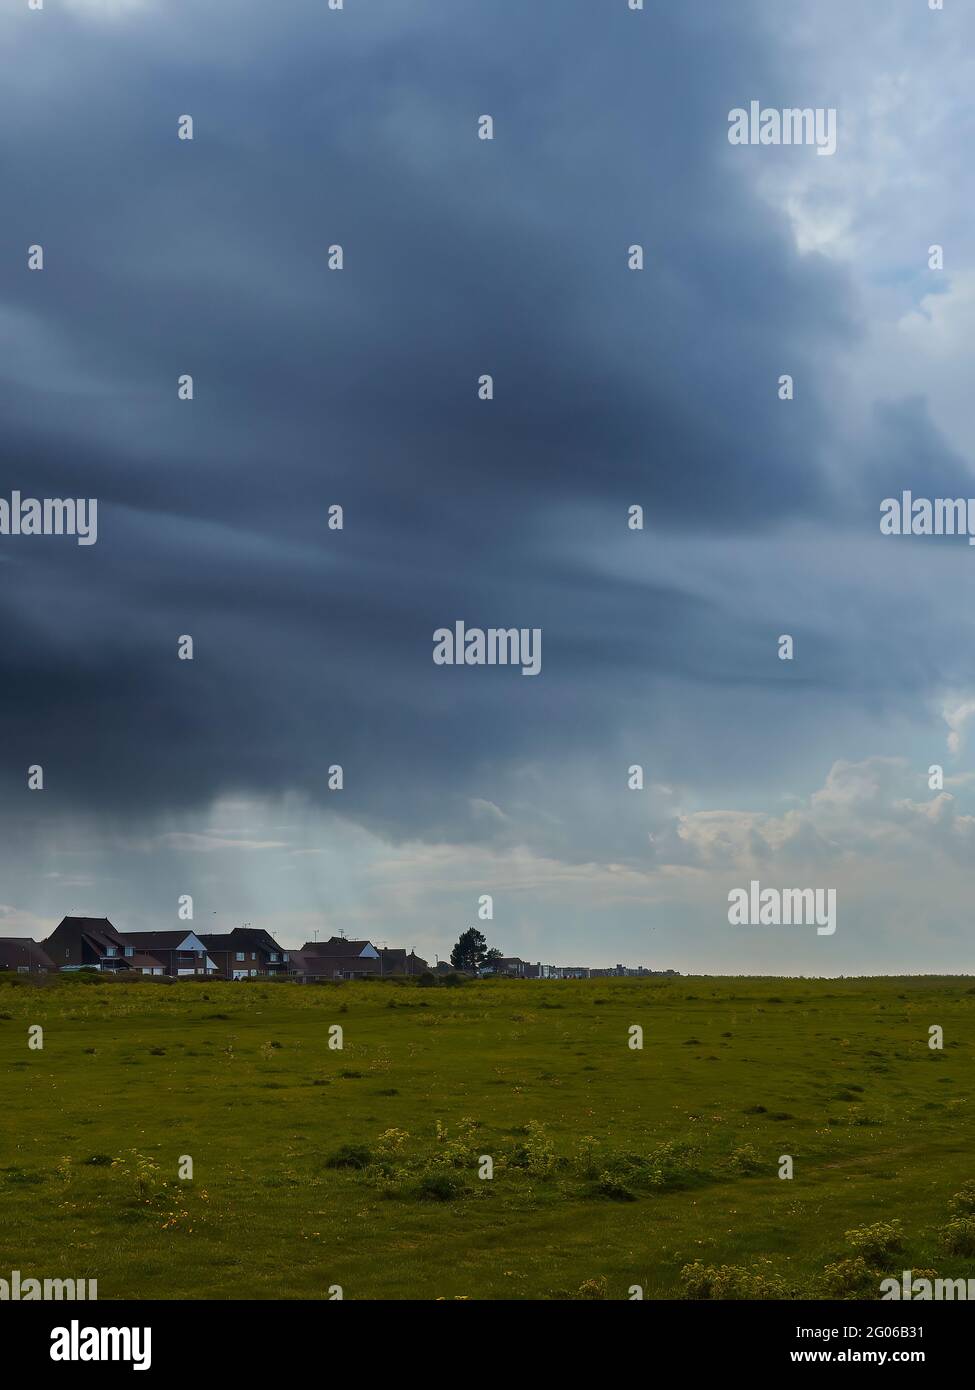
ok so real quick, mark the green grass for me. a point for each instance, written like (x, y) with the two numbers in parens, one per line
(612, 1167)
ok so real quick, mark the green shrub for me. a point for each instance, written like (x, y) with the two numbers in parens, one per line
(878, 1242)
(535, 1153)
(586, 1157)
(438, 1187)
(958, 1237)
(350, 1156)
(460, 1151)
(963, 1202)
(755, 1282)
(672, 1165)
(391, 1142)
(746, 1160)
(851, 1278)
(608, 1186)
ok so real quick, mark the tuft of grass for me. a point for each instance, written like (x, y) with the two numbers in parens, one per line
(350, 1156)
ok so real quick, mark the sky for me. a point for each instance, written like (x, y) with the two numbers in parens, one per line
(312, 647)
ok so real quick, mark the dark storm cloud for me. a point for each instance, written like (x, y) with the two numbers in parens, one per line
(909, 453)
(462, 257)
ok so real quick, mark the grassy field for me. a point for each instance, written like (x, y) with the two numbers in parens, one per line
(612, 1166)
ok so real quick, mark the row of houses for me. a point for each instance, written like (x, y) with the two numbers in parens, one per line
(514, 968)
(93, 943)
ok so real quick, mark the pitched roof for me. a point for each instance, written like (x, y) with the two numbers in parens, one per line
(18, 951)
(258, 936)
(335, 946)
(140, 960)
(105, 940)
(214, 941)
(157, 940)
(87, 923)
(98, 929)
(241, 937)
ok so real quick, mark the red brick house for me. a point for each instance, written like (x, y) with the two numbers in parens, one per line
(179, 953)
(244, 952)
(338, 959)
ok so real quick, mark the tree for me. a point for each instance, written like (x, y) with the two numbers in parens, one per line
(470, 951)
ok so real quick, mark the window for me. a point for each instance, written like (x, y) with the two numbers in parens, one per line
(130, 950)
(239, 955)
(110, 951)
(274, 955)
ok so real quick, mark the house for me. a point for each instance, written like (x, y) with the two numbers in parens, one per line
(92, 943)
(307, 969)
(340, 959)
(399, 961)
(22, 953)
(513, 967)
(177, 953)
(244, 952)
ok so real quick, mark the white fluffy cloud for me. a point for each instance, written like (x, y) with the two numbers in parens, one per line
(958, 713)
(870, 811)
